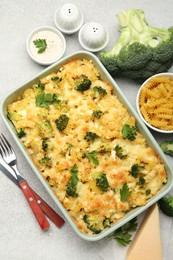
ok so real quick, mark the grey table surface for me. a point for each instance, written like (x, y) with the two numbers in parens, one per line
(20, 235)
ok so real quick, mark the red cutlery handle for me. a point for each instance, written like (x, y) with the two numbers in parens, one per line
(57, 220)
(44, 224)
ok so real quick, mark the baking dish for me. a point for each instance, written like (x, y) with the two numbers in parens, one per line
(140, 125)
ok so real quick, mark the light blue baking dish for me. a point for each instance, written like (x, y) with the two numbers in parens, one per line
(140, 125)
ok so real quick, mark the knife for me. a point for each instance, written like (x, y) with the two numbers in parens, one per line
(50, 213)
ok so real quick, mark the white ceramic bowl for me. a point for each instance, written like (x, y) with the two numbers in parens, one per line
(170, 75)
(68, 18)
(93, 36)
(56, 45)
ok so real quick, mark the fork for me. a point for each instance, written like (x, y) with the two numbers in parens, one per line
(9, 157)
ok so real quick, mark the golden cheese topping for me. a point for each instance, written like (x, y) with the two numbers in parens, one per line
(85, 144)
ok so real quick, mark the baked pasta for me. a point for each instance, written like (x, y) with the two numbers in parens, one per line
(86, 145)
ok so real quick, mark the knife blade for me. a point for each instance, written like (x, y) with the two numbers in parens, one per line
(50, 213)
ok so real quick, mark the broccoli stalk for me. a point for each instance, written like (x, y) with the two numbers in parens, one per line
(141, 50)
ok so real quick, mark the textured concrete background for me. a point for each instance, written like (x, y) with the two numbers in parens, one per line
(20, 235)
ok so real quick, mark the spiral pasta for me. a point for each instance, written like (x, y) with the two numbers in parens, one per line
(156, 102)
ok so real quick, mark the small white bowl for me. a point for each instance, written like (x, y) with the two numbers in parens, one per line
(68, 18)
(170, 75)
(93, 36)
(56, 45)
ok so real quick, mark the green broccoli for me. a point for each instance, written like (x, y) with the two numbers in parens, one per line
(45, 128)
(83, 83)
(61, 122)
(20, 133)
(45, 161)
(71, 187)
(129, 132)
(45, 144)
(102, 182)
(107, 222)
(93, 224)
(141, 50)
(136, 169)
(90, 137)
(97, 114)
(40, 86)
(141, 181)
(167, 147)
(119, 152)
(99, 91)
(166, 205)
(56, 79)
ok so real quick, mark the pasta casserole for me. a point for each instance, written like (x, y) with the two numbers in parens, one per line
(86, 145)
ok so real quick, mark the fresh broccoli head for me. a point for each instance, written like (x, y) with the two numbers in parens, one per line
(167, 147)
(166, 205)
(83, 83)
(141, 50)
(102, 182)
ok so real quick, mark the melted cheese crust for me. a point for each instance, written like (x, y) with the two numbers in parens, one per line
(66, 148)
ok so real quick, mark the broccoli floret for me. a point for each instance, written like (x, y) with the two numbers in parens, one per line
(102, 182)
(148, 192)
(90, 137)
(167, 147)
(107, 222)
(45, 144)
(56, 79)
(141, 181)
(166, 205)
(83, 83)
(100, 91)
(61, 122)
(141, 50)
(71, 187)
(93, 224)
(136, 169)
(97, 113)
(45, 128)
(40, 86)
(20, 133)
(129, 132)
(45, 161)
(119, 152)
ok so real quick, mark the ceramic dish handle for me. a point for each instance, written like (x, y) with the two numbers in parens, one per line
(44, 224)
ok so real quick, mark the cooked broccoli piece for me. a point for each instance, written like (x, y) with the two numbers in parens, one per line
(141, 181)
(129, 132)
(107, 222)
(71, 187)
(83, 83)
(147, 192)
(167, 147)
(100, 91)
(102, 182)
(40, 86)
(104, 147)
(90, 137)
(45, 144)
(45, 161)
(56, 79)
(141, 50)
(97, 114)
(20, 133)
(45, 128)
(166, 205)
(93, 224)
(119, 152)
(61, 122)
(136, 169)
